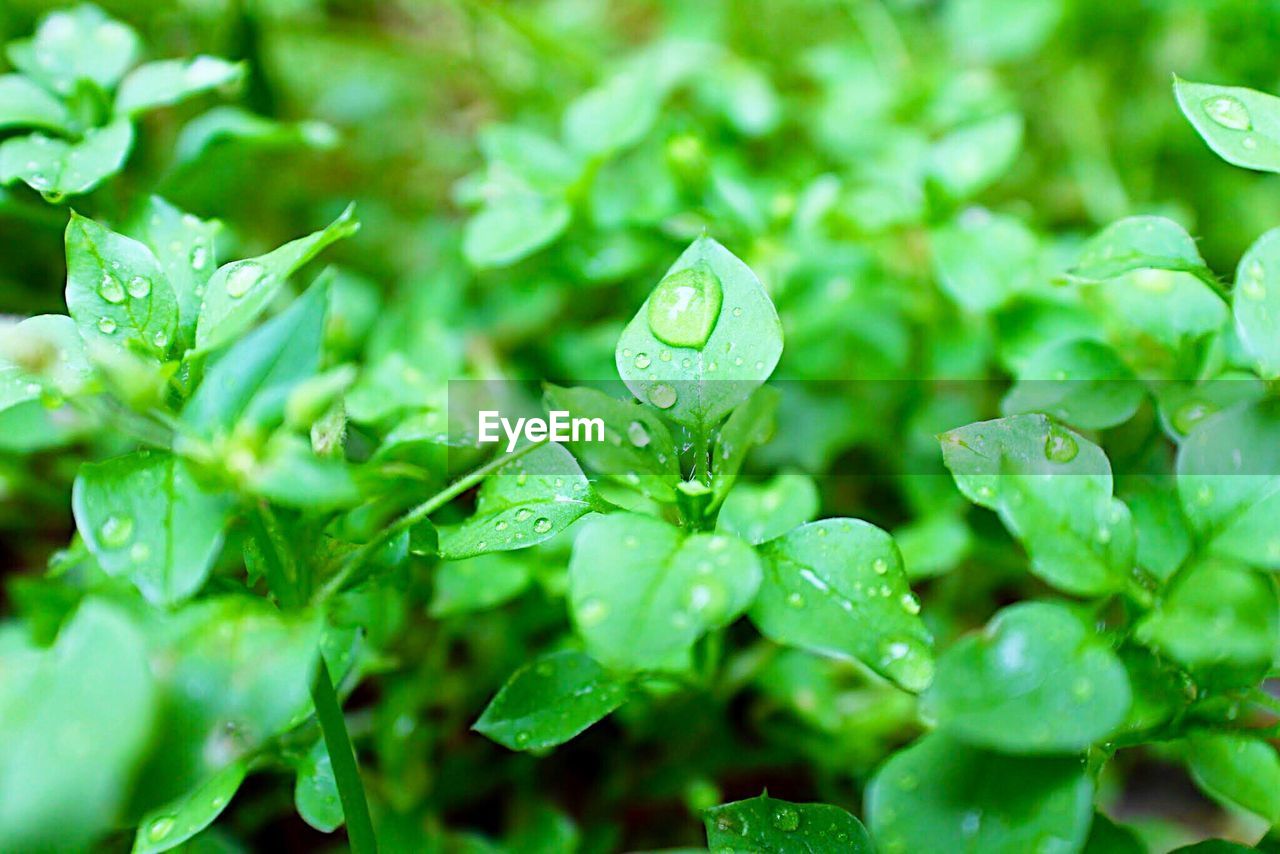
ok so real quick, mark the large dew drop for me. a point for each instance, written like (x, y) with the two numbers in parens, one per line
(683, 309)
(1227, 111)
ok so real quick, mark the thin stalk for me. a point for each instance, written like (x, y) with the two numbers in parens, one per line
(413, 517)
(346, 773)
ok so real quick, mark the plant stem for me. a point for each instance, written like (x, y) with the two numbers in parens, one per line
(413, 517)
(346, 772)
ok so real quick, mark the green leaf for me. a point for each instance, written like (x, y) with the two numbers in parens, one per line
(1170, 306)
(159, 84)
(1242, 126)
(251, 382)
(1139, 243)
(982, 259)
(749, 425)
(1238, 603)
(933, 545)
(705, 338)
(517, 152)
(42, 356)
(1052, 489)
(176, 822)
(1107, 837)
(1080, 382)
(74, 722)
(315, 793)
(513, 226)
(24, 104)
(614, 115)
(290, 473)
(969, 159)
(995, 30)
(477, 584)
(549, 701)
(237, 672)
(782, 827)
(941, 795)
(240, 290)
(757, 513)
(223, 124)
(1036, 680)
(1228, 468)
(638, 449)
(1237, 769)
(58, 169)
(76, 44)
(526, 501)
(837, 587)
(1163, 539)
(642, 592)
(184, 245)
(116, 291)
(1256, 303)
(145, 518)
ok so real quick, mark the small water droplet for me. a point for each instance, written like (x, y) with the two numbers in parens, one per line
(662, 396)
(910, 603)
(880, 566)
(1228, 111)
(199, 257)
(139, 288)
(592, 612)
(501, 525)
(139, 552)
(1249, 143)
(737, 311)
(795, 600)
(542, 525)
(111, 290)
(523, 514)
(638, 434)
(481, 546)
(642, 361)
(665, 355)
(1060, 446)
(1190, 414)
(907, 662)
(106, 325)
(786, 818)
(160, 828)
(161, 339)
(242, 277)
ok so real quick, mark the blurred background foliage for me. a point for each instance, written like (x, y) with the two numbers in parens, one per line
(826, 142)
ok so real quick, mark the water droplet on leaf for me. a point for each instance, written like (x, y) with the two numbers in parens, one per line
(683, 309)
(786, 819)
(1228, 111)
(542, 525)
(243, 277)
(139, 287)
(106, 325)
(111, 290)
(662, 396)
(1059, 446)
(637, 433)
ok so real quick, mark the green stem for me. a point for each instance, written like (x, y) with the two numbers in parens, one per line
(412, 517)
(346, 772)
(702, 459)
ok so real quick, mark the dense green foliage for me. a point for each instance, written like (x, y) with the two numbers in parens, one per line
(937, 503)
